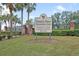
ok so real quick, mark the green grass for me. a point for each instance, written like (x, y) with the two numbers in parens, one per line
(65, 46)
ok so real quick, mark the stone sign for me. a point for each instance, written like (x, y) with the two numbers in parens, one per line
(43, 24)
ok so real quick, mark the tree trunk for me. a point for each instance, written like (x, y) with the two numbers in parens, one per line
(28, 13)
(28, 21)
(10, 19)
(6, 25)
(11, 25)
(0, 26)
(15, 26)
(28, 18)
(22, 20)
(29, 29)
(22, 16)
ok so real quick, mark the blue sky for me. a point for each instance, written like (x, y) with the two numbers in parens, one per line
(49, 9)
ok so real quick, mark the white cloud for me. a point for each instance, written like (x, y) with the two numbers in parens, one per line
(60, 8)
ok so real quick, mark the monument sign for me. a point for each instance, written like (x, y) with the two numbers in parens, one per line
(43, 24)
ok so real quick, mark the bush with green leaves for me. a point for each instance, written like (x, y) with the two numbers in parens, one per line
(8, 34)
(60, 33)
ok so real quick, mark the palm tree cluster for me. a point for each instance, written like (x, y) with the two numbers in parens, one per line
(14, 7)
(7, 18)
(28, 6)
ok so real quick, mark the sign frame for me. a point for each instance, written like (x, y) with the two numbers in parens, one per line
(42, 19)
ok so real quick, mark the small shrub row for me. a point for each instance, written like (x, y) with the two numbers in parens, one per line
(8, 34)
(60, 33)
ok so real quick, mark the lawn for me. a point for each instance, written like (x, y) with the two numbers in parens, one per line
(27, 46)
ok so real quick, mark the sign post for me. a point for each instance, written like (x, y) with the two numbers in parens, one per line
(43, 24)
(50, 36)
(36, 35)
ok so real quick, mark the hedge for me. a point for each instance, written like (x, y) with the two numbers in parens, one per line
(60, 33)
(8, 34)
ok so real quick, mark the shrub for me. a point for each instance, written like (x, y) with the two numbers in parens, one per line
(61, 33)
(76, 32)
(8, 34)
(0, 38)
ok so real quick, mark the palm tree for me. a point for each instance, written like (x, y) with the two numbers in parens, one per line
(4, 19)
(20, 7)
(1, 8)
(30, 7)
(0, 21)
(15, 20)
(11, 9)
(10, 6)
(29, 21)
